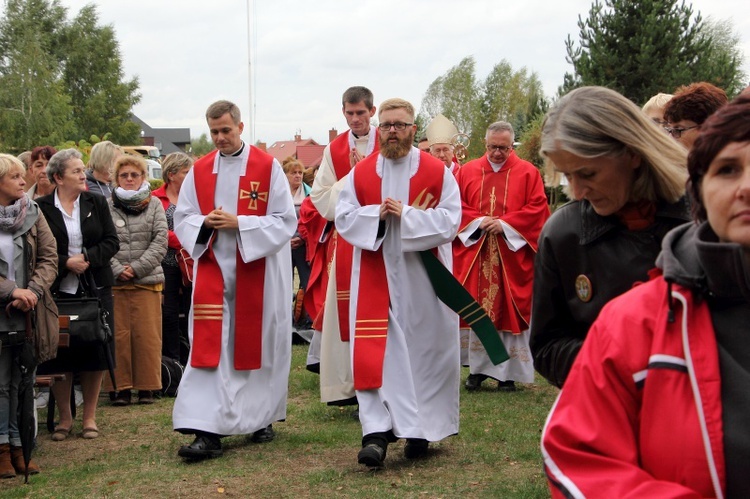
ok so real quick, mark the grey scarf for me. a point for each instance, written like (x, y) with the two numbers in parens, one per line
(13, 216)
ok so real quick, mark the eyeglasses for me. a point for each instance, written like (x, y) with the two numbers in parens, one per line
(677, 132)
(127, 175)
(398, 126)
(502, 149)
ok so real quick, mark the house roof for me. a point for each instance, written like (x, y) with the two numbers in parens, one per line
(282, 149)
(310, 155)
(168, 140)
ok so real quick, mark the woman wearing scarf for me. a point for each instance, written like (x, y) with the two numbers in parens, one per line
(28, 266)
(142, 230)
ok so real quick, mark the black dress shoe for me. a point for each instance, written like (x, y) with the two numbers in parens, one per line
(474, 381)
(372, 456)
(506, 386)
(122, 398)
(415, 448)
(263, 435)
(204, 446)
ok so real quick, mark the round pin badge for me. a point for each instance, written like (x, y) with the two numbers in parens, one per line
(583, 288)
(120, 223)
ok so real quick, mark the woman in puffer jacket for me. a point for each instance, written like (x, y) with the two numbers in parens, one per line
(142, 230)
(656, 404)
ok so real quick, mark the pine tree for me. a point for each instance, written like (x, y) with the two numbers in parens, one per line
(643, 47)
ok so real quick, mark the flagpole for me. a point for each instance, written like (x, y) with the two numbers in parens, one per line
(250, 75)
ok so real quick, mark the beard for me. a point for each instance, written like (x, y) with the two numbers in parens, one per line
(397, 150)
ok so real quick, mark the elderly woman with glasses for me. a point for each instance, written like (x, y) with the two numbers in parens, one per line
(141, 226)
(657, 403)
(627, 180)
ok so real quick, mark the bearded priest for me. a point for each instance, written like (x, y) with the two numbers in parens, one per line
(395, 206)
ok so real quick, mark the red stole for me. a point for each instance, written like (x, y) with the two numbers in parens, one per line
(208, 290)
(373, 299)
(340, 151)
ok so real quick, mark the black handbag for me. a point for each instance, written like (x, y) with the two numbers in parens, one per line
(12, 326)
(88, 322)
(88, 318)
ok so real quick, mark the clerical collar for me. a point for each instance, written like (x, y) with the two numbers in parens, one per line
(358, 136)
(237, 153)
(496, 167)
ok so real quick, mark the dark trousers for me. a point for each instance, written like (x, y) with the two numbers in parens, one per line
(170, 312)
(303, 268)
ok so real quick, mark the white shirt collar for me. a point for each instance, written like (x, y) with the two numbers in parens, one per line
(59, 206)
(496, 167)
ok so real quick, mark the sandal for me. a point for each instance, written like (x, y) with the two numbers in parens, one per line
(60, 434)
(90, 433)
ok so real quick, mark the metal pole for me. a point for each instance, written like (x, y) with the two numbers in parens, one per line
(250, 76)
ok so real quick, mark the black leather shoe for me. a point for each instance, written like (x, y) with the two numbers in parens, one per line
(372, 456)
(415, 448)
(506, 386)
(263, 435)
(204, 446)
(474, 381)
(122, 398)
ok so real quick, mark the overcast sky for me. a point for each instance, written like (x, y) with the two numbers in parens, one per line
(190, 53)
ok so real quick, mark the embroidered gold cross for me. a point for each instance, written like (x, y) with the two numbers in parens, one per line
(493, 200)
(253, 195)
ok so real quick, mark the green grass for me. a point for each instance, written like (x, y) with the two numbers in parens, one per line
(496, 454)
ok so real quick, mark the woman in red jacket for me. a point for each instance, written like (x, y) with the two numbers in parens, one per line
(657, 405)
(174, 168)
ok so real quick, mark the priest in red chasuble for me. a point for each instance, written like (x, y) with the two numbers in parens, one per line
(503, 210)
(235, 217)
(405, 343)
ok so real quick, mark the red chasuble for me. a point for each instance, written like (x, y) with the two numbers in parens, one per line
(340, 152)
(208, 289)
(373, 300)
(311, 226)
(498, 278)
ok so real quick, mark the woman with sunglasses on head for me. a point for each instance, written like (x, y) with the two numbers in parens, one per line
(141, 226)
(657, 403)
(627, 179)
